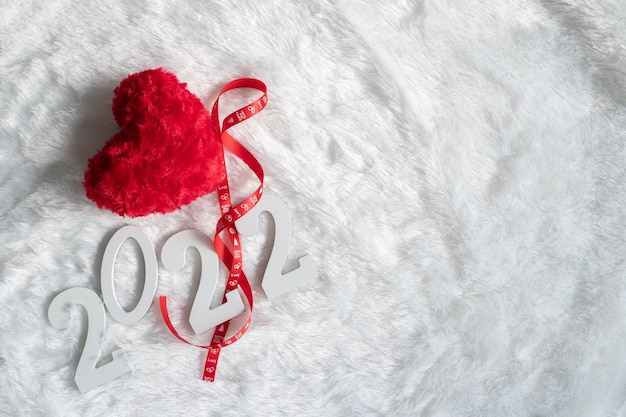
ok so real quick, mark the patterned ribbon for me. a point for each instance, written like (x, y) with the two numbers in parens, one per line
(231, 257)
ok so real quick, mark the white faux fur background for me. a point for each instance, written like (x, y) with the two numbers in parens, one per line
(455, 168)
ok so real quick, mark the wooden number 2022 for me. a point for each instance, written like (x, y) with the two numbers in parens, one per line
(275, 283)
(202, 317)
(87, 376)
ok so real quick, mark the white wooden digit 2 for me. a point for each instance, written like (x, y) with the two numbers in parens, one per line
(87, 376)
(275, 282)
(202, 317)
(150, 278)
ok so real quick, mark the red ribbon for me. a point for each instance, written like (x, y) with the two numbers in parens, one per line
(231, 258)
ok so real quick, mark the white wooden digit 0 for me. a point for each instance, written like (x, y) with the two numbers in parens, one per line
(202, 317)
(87, 376)
(275, 282)
(150, 278)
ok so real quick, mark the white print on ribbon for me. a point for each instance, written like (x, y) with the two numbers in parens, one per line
(202, 317)
(87, 376)
(275, 283)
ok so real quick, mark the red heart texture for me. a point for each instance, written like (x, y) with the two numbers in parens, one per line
(166, 154)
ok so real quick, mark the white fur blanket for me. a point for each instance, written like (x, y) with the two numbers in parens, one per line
(455, 169)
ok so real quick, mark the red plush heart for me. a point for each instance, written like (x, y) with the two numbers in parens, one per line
(166, 155)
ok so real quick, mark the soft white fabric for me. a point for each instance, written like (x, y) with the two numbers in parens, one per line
(455, 168)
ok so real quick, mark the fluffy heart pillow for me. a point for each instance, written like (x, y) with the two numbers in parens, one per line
(166, 154)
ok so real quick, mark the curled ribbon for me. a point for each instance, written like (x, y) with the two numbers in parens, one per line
(231, 258)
